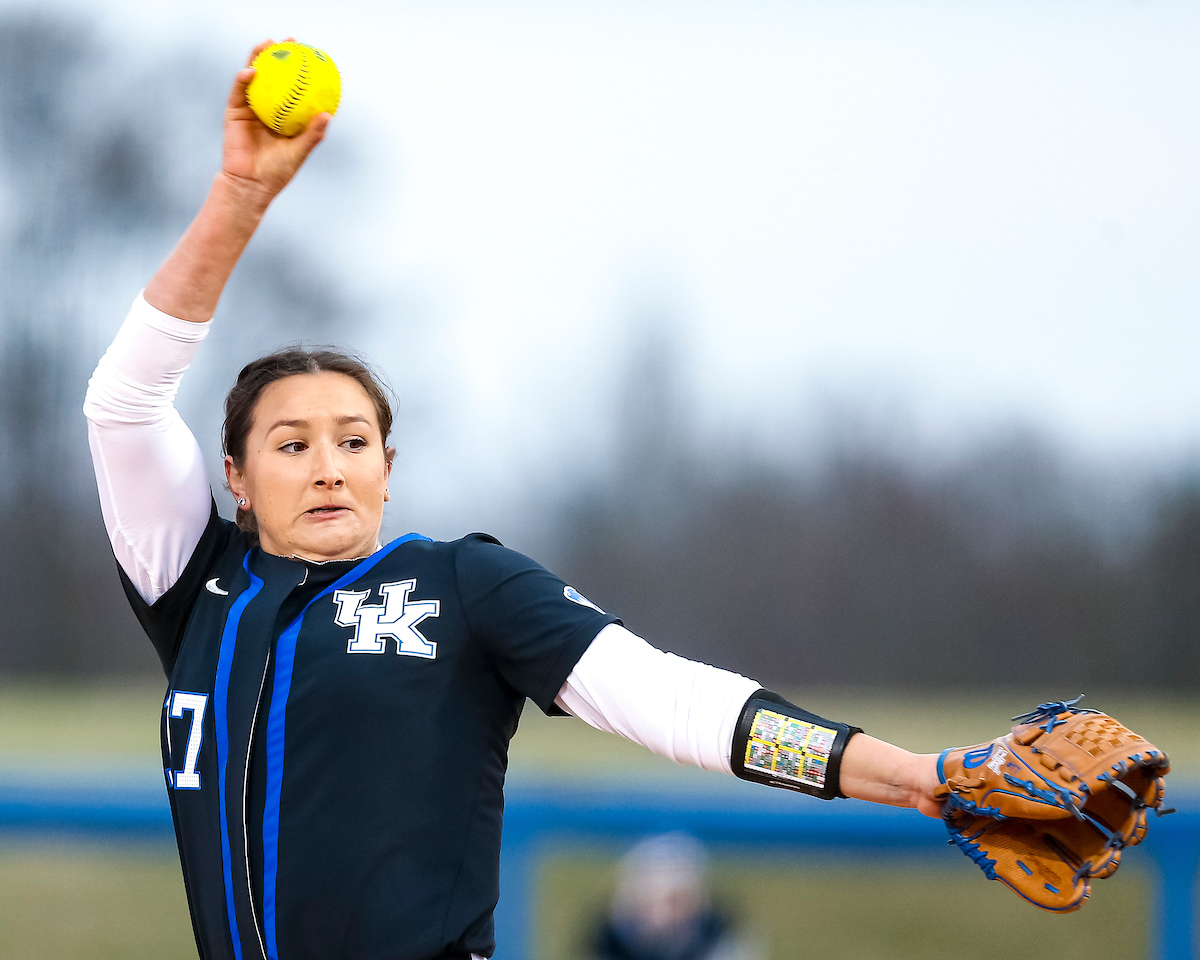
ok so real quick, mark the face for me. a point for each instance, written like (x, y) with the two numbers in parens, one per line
(315, 471)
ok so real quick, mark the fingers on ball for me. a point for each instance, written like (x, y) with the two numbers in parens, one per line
(259, 49)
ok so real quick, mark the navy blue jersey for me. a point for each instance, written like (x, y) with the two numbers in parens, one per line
(335, 738)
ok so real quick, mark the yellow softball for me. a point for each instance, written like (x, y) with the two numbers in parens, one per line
(293, 84)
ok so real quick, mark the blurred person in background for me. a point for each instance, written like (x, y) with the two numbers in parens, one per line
(662, 908)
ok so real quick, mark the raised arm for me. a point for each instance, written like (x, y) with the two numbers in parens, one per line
(256, 165)
(153, 487)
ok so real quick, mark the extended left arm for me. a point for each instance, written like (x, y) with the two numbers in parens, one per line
(700, 715)
(884, 773)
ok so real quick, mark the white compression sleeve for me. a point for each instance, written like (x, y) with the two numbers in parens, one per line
(679, 709)
(154, 491)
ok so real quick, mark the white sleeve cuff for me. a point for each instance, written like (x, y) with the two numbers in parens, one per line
(140, 372)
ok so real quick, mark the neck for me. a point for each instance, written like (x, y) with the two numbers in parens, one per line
(297, 556)
(356, 551)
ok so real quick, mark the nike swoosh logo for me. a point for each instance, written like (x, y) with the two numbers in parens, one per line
(212, 587)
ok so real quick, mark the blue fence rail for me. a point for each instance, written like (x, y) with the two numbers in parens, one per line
(540, 818)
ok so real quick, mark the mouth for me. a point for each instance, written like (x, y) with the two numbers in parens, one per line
(328, 510)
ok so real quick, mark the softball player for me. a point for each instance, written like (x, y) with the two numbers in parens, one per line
(338, 712)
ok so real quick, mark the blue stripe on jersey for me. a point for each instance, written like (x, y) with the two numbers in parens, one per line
(221, 719)
(285, 655)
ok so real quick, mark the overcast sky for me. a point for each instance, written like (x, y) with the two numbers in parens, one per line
(978, 211)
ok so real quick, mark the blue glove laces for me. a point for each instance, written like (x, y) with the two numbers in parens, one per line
(1050, 712)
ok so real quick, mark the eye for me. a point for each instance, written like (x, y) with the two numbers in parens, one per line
(293, 446)
(355, 443)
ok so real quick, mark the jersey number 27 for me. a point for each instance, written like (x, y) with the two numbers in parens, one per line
(194, 703)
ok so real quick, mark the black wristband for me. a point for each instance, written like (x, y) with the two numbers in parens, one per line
(779, 744)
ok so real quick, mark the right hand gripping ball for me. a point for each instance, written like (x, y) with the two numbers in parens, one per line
(293, 84)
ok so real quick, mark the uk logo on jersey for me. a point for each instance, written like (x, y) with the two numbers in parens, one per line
(395, 619)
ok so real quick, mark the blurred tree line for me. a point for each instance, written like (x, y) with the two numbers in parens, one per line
(859, 563)
(864, 566)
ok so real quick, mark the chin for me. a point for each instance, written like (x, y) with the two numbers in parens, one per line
(335, 544)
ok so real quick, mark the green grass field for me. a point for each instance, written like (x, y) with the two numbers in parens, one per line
(68, 900)
(72, 901)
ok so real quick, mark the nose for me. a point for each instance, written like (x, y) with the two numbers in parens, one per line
(328, 472)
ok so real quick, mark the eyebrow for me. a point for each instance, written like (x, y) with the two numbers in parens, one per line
(354, 418)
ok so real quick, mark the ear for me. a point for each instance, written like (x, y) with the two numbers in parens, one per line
(236, 482)
(387, 472)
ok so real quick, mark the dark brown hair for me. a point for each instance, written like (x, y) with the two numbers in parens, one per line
(259, 374)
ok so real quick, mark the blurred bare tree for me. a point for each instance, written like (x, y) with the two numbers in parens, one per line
(101, 166)
(1001, 566)
(1172, 578)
